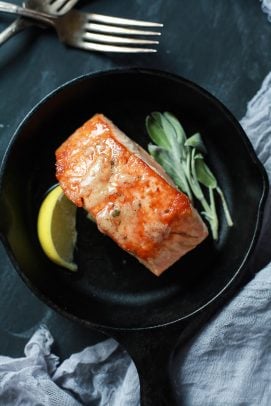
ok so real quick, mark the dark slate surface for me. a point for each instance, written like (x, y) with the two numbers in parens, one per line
(222, 45)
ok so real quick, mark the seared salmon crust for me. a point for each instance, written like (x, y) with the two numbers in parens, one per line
(128, 194)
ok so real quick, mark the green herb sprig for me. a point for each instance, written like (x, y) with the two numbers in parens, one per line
(183, 160)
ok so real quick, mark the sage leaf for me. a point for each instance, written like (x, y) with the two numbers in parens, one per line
(204, 174)
(183, 160)
(169, 131)
(156, 132)
(164, 159)
(180, 133)
(157, 117)
(225, 207)
(195, 141)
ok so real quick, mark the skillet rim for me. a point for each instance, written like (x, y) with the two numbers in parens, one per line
(226, 112)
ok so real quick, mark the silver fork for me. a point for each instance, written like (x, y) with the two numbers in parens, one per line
(57, 7)
(92, 32)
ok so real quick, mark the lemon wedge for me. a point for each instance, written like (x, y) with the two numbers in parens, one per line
(56, 228)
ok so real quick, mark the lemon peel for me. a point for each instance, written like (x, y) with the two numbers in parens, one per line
(56, 228)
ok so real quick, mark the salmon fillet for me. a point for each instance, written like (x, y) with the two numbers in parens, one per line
(128, 194)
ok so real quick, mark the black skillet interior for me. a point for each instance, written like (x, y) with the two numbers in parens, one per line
(111, 288)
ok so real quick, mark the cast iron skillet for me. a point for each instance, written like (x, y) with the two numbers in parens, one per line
(112, 292)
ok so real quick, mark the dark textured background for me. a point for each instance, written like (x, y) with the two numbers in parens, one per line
(223, 45)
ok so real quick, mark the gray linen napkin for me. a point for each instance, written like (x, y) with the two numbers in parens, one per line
(266, 6)
(99, 375)
(227, 364)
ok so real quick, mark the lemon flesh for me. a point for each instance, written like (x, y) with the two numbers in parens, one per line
(56, 228)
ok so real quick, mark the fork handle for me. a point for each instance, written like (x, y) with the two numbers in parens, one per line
(14, 28)
(25, 12)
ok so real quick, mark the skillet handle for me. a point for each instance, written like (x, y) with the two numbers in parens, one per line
(151, 352)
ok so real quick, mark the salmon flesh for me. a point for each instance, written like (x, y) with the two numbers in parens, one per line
(128, 193)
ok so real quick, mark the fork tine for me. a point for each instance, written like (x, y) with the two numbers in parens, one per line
(113, 39)
(61, 6)
(91, 46)
(101, 18)
(117, 30)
